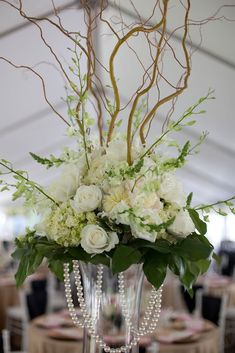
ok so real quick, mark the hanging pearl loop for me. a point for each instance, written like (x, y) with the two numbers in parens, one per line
(147, 326)
(152, 311)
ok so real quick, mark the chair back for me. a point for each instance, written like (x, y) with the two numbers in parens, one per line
(37, 299)
(5, 341)
(213, 309)
(190, 301)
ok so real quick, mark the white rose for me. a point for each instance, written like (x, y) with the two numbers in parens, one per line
(171, 190)
(65, 187)
(95, 240)
(182, 225)
(87, 198)
(140, 231)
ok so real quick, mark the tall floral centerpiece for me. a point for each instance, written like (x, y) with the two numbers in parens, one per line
(117, 211)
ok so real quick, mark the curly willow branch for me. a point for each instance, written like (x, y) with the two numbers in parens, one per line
(180, 90)
(42, 82)
(118, 45)
(147, 89)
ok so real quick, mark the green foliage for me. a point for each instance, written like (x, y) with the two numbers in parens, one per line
(124, 256)
(158, 227)
(199, 224)
(182, 121)
(217, 258)
(102, 259)
(189, 200)
(174, 163)
(188, 258)
(57, 267)
(127, 172)
(48, 162)
(193, 248)
(24, 186)
(228, 206)
(155, 267)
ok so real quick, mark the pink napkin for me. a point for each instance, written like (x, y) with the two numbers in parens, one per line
(50, 321)
(195, 325)
(174, 336)
(191, 323)
(120, 340)
(66, 333)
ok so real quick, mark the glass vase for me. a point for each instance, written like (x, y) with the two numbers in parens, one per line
(107, 311)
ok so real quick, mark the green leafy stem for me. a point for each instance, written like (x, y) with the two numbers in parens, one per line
(29, 182)
(226, 202)
(174, 126)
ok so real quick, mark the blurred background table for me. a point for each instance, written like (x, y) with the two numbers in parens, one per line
(48, 334)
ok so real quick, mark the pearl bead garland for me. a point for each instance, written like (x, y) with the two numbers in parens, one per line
(147, 326)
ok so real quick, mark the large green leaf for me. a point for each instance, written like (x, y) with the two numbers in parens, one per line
(100, 259)
(199, 224)
(160, 245)
(188, 271)
(155, 267)
(193, 248)
(79, 254)
(203, 265)
(217, 258)
(125, 256)
(18, 253)
(27, 265)
(57, 267)
(21, 273)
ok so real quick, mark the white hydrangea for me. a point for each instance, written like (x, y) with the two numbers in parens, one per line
(171, 190)
(96, 172)
(119, 213)
(139, 227)
(63, 225)
(65, 187)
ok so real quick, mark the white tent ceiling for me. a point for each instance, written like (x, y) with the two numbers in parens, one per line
(27, 123)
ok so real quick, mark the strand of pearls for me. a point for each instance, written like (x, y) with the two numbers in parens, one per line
(88, 320)
(68, 295)
(152, 311)
(150, 318)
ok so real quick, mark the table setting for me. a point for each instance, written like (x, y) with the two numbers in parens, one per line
(177, 332)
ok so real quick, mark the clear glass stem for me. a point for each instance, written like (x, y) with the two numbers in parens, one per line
(107, 312)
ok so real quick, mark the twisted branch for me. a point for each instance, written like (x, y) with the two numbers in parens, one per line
(179, 90)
